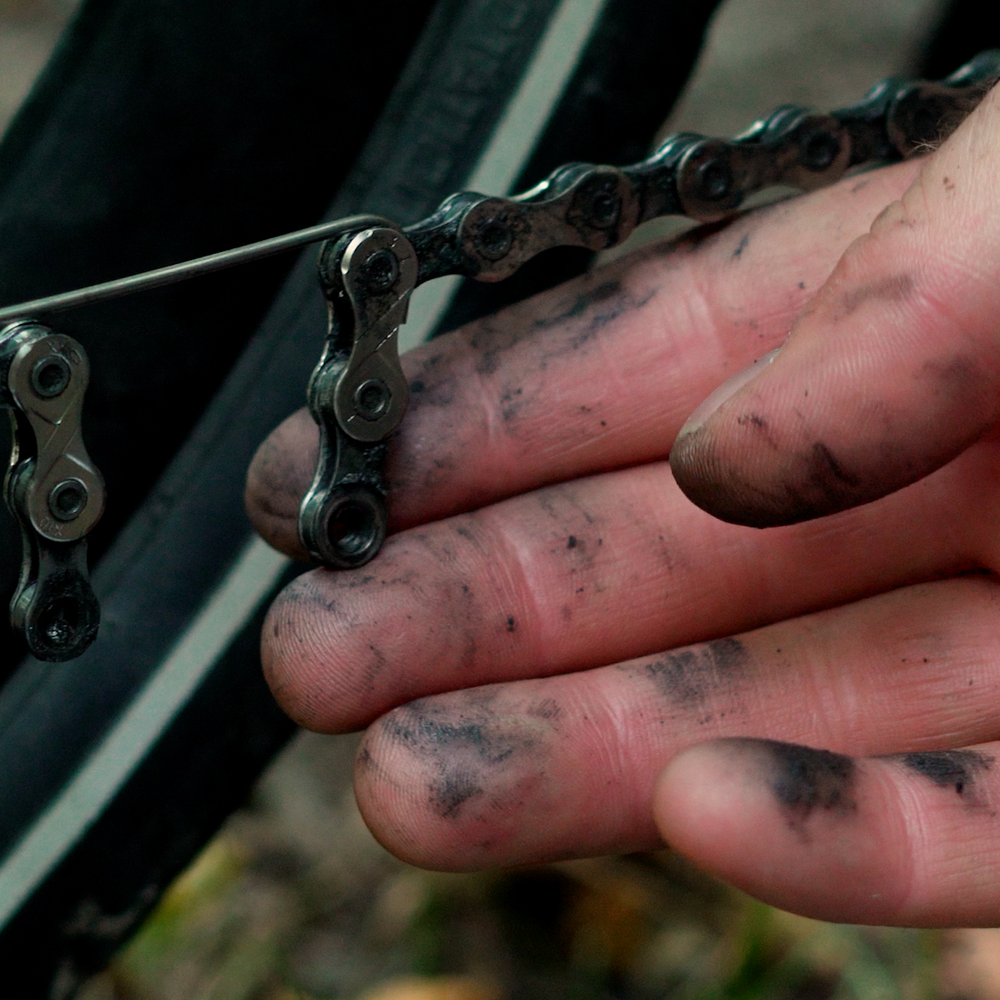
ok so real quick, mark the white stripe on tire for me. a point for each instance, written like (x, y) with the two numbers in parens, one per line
(513, 141)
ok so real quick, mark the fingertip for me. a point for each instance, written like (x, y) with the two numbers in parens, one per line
(694, 803)
(392, 809)
(279, 475)
(421, 806)
(791, 825)
(470, 780)
(315, 691)
(709, 484)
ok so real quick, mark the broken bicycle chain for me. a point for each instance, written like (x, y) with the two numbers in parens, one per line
(54, 490)
(369, 267)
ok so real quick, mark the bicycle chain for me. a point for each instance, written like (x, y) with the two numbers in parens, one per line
(53, 488)
(358, 394)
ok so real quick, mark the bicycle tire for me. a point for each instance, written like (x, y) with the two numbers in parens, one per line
(78, 874)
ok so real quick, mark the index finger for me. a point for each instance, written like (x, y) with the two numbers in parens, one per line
(597, 374)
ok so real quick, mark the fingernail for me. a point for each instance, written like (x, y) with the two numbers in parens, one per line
(729, 388)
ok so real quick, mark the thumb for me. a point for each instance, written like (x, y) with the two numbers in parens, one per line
(893, 369)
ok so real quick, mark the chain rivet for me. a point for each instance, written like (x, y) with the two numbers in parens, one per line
(372, 398)
(604, 209)
(50, 377)
(819, 150)
(715, 179)
(68, 499)
(494, 239)
(380, 272)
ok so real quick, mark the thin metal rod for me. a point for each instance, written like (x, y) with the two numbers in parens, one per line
(189, 269)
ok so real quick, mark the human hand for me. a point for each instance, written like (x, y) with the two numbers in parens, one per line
(506, 647)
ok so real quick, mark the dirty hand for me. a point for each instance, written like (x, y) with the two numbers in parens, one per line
(553, 622)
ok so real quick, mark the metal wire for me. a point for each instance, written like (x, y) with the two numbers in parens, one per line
(188, 269)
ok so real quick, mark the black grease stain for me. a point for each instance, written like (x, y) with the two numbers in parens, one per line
(897, 288)
(466, 753)
(625, 304)
(573, 320)
(802, 286)
(814, 480)
(688, 676)
(956, 769)
(827, 474)
(435, 384)
(452, 791)
(570, 516)
(593, 296)
(491, 339)
(510, 403)
(743, 244)
(511, 625)
(547, 708)
(817, 484)
(961, 380)
(759, 425)
(375, 666)
(616, 302)
(803, 779)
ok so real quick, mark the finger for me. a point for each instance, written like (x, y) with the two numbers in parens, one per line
(597, 374)
(592, 572)
(889, 373)
(909, 840)
(567, 766)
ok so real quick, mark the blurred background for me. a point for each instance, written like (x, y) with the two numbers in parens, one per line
(294, 899)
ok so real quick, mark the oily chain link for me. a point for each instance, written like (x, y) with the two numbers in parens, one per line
(357, 393)
(53, 488)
